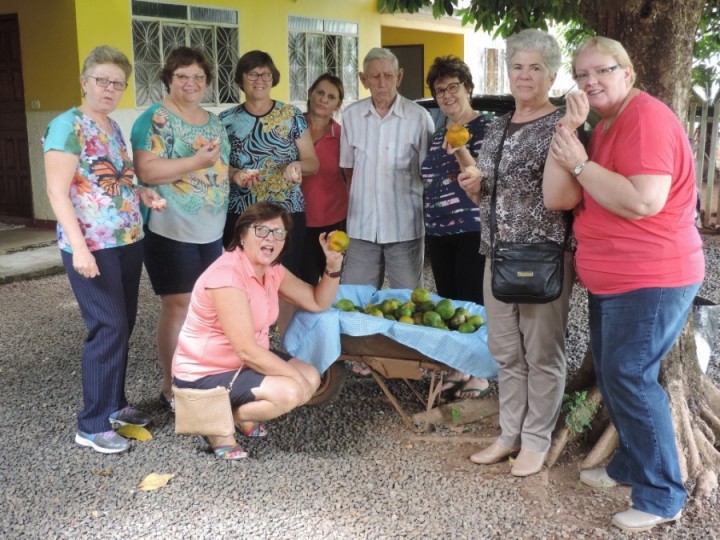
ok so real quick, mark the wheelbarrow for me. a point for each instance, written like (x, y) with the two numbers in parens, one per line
(386, 359)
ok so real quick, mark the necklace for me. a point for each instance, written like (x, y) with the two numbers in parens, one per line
(607, 124)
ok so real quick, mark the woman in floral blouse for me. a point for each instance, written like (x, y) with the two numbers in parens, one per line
(93, 192)
(181, 150)
(271, 151)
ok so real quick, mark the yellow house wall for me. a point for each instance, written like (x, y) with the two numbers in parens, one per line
(436, 43)
(56, 36)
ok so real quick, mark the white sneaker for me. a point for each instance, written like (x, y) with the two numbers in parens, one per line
(632, 520)
(597, 478)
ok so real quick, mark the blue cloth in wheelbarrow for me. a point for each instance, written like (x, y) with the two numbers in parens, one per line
(315, 337)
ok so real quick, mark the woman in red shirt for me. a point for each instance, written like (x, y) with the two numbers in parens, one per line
(325, 192)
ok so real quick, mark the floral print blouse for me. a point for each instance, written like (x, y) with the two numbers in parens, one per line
(103, 190)
(266, 143)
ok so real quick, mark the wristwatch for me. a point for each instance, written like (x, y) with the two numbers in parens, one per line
(333, 274)
(577, 170)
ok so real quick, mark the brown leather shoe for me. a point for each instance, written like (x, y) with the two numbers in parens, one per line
(492, 454)
(528, 462)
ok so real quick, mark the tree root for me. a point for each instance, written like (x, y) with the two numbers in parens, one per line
(711, 420)
(707, 482)
(604, 447)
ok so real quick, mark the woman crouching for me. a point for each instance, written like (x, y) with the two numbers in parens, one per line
(233, 305)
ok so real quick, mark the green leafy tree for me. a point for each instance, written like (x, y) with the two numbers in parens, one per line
(659, 35)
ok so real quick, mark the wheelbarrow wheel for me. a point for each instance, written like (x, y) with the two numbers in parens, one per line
(331, 384)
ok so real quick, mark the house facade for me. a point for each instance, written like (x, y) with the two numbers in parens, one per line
(44, 42)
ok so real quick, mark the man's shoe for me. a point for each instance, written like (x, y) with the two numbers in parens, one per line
(637, 521)
(129, 416)
(107, 442)
(528, 462)
(598, 478)
(492, 454)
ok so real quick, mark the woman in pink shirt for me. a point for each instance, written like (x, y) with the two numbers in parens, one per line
(227, 328)
(641, 259)
(326, 192)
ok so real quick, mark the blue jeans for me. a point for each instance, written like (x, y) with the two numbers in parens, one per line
(630, 334)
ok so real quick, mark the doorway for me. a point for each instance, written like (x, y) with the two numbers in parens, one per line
(15, 179)
(412, 62)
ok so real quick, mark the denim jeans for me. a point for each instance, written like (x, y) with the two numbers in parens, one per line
(630, 334)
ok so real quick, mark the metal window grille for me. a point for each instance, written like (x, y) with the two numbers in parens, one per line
(158, 28)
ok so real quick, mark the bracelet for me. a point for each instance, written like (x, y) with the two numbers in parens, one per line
(333, 274)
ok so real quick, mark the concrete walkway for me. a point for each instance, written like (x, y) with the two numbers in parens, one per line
(27, 252)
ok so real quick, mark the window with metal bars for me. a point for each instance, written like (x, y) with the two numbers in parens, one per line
(158, 28)
(317, 46)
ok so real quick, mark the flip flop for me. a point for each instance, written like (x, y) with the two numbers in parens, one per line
(257, 430)
(472, 393)
(227, 453)
(452, 385)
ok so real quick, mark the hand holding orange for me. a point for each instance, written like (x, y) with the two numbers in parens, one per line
(457, 136)
(338, 241)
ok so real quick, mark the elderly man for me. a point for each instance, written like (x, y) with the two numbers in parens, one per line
(384, 140)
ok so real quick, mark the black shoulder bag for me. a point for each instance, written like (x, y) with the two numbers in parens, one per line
(524, 273)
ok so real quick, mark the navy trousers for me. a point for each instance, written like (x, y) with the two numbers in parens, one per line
(108, 305)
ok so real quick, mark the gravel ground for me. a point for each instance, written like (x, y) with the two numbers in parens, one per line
(347, 470)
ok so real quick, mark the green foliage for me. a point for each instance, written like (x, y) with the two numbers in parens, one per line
(706, 53)
(579, 412)
(456, 415)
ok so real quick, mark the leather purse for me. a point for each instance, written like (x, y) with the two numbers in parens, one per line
(205, 412)
(524, 273)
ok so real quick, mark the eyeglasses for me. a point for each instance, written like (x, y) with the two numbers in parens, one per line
(184, 79)
(451, 88)
(582, 78)
(262, 231)
(104, 82)
(254, 76)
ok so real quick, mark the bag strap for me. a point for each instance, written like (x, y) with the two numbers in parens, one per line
(233, 379)
(493, 199)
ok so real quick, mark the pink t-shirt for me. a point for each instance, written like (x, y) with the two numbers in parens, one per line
(616, 254)
(326, 192)
(203, 349)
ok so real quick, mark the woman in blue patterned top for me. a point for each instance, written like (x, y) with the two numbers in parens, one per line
(182, 150)
(271, 150)
(452, 220)
(93, 193)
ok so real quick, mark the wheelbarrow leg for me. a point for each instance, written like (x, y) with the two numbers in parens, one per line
(408, 421)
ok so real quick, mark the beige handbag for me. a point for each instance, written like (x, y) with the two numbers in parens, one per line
(204, 411)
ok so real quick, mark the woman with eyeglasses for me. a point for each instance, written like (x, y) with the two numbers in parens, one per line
(527, 340)
(452, 220)
(641, 258)
(233, 305)
(182, 151)
(93, 192)
(271, 150)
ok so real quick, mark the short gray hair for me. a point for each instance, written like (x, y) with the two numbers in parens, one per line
(532, 39)
(104, 54)
(380, 53)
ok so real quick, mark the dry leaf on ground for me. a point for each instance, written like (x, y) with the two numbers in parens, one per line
(135, 432)
(155, 481)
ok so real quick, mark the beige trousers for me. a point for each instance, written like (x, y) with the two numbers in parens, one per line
(528, 343)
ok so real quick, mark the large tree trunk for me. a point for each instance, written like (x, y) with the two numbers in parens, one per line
(651, 30)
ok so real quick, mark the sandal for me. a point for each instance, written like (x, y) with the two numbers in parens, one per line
(257, 430)
(473, 393)
(451, 385)
(227, 453)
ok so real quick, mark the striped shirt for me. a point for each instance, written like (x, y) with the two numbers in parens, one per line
(386, 193)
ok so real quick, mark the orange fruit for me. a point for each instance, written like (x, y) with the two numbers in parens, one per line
(338, 241)
(457, 136)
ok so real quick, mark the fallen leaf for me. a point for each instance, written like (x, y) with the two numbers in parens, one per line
(155, 481)
(103, 472)
(135, 432)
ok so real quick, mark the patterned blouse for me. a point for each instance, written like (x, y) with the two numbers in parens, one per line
(521, 213)
(197, 202)
(448, 210)
(103, 190)
(266, 143)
